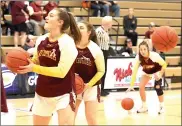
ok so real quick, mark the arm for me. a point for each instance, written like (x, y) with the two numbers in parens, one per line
(35, 13)
(99, 36)
(67, 58)
(99, 61)
(125, 24)
(135, 26)
(134, 71)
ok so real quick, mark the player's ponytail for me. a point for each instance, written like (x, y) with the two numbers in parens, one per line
(69, 23)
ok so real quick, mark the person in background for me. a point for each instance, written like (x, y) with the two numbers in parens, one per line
(37, 18)
(130, 25)
(104, 41)
(7, 26)
(18, 21)
(110, 5)
(148, 34)
(51, 5)
(127, 49)
(89, 65)
(96, 7)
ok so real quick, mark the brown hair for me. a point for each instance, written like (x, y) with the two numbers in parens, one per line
(69, 23)
(141, 58)
(90, 28)
(2, 56)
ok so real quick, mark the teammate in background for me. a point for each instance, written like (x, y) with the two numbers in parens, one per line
(18, 10)
(53, 61)
(4, 107)
(152, 64)
(90, 67)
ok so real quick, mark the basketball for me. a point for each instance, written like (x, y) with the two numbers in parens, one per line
(127, 103)
(164, 38)
(79, 84)
(15, 58)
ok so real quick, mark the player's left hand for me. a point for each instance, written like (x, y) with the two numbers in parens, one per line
(26, 69)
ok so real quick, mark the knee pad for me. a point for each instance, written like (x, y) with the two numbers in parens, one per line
(158, 87)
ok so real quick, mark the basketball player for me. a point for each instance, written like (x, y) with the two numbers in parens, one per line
(152, 64)
(90, 67)
(4, 107)
(53, 62)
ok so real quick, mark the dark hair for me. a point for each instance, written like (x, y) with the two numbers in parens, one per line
(93, 35)
(2, 56)
(69, 23)
(141, 58)
(126, 41)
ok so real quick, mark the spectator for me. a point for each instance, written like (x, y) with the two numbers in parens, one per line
(51, 5)
(104, 40)
(127, 49)
(96, 7)
(18, 21)
(7, 27)
(5, 7)
(150, 31)
(30, 29)
(37, 17)
(130, 25)
(110, 5)
(115, 8)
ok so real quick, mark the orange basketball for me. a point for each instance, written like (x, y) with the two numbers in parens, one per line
(164, 38)
(127, 103)
(15, 58)
(79, 84)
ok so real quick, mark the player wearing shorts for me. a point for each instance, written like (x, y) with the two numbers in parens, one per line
(89, 65)
(152, 64)
(53, 62)
(18, 10)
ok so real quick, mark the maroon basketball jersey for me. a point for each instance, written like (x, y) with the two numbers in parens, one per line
(153, 64)
(49, 55)
(85, 62)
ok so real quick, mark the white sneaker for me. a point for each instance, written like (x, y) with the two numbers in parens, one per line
(142, 110)
(161, 110)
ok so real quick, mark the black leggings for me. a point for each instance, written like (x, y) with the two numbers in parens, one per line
(106, 53)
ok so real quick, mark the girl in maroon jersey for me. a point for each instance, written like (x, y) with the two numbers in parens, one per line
(4, 107)
(89, 65)
(153, 65)
(18, 11)
(53, 62)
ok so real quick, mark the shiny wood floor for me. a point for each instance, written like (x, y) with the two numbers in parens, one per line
(109, 111)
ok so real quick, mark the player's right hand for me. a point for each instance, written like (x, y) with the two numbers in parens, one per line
(130, 89)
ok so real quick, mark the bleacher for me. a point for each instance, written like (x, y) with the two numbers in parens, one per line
(162, 13)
